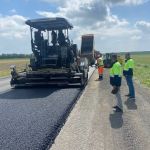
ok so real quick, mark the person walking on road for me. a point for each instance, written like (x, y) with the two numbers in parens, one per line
(128, 73)
(100, 65)
(115, 81)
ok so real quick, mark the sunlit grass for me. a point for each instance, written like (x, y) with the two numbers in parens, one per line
(6, 63)
(141, 71)
(142, 68)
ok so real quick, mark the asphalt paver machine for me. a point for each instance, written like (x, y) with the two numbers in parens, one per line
(55, 60)
(107, 60)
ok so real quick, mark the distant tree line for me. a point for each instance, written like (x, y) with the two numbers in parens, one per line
(9, 56)
(136, 52)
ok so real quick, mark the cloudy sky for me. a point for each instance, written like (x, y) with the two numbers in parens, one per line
(118, 25)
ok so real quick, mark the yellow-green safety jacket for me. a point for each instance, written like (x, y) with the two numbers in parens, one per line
(116, 74)
(100, 62)
(128, 67)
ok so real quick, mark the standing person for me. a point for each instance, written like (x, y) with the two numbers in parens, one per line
(128, 73)
(115, 81)
(54, 37)
(100, 65)
(61, 38)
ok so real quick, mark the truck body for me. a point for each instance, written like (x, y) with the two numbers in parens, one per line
(87, 48)
(55, 60)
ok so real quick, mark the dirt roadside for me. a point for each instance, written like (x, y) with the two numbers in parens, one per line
(92, 125)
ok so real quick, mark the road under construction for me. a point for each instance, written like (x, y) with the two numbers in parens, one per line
(63, 118)
(57, 103)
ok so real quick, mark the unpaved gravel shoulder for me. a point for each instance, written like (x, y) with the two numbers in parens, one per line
(92, 125)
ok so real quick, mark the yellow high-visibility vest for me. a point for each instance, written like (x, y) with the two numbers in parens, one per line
(100, 62)
(116, 70)
(129, 64)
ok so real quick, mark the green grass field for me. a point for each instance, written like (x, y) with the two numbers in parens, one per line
(141, 72)
(6, 63)
(142, 68)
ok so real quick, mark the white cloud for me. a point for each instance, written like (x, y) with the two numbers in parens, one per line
(14, 33)
(52, 1)
(144, 26)
(49, 14)
(135, 2)
(94, 16)
(136, 37)
(113, 2)
(91, 13)
(85, 13)
(13, 26)
(87, 16)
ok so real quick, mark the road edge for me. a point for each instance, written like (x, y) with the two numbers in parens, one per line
(65, 117)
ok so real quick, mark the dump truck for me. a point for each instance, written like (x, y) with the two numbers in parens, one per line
(55, 60)
(87, 48)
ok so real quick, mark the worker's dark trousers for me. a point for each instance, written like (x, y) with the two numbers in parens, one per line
(130, 86)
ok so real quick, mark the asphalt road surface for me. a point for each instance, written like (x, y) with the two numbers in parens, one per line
(93, 125)
(30, 118)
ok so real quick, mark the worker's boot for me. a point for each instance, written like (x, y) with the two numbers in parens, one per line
(127, 95)
(100, 77)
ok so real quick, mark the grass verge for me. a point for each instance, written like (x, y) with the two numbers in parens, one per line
(6, 63)
(142, 68)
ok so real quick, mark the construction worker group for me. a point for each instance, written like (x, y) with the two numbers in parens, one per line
(116, 70)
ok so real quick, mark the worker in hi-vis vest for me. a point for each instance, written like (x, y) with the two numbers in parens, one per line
(115, 81)
(128, 73)
(100, 66)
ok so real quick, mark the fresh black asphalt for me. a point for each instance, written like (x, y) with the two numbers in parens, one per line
(30, 117)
